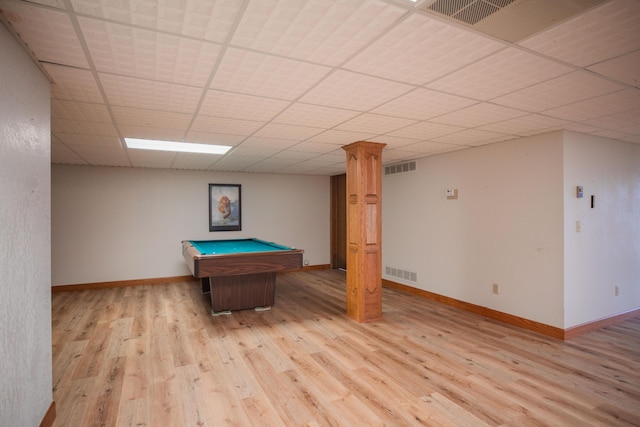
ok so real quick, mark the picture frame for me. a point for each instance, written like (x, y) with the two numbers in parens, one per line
(225, 207)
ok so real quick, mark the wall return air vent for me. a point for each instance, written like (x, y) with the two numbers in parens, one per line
(510, 20)
(409, 276)
(400, 168)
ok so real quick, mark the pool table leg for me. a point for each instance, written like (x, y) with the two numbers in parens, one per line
(205, 284)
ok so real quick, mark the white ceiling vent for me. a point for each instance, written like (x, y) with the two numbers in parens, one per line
(510, 20)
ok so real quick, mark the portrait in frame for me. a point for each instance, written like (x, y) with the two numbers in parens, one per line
(224, 207)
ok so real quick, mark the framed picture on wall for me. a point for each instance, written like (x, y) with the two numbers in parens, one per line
(224, 207)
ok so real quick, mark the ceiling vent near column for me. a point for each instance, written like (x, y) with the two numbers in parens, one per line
(510, 20)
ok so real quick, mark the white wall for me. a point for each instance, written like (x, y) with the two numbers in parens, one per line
(506, 226)
(606, 251)
(25, 245)
(113, 224)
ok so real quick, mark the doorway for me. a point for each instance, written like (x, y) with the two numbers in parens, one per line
(339, 222)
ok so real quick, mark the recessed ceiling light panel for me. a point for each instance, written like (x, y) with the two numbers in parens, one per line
(183, 147)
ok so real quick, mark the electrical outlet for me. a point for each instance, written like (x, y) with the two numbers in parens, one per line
(496, 288)
(616, 291)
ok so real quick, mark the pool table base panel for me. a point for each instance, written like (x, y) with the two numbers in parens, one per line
(230, 293)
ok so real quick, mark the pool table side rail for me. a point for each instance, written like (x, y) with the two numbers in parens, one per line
(239, 263)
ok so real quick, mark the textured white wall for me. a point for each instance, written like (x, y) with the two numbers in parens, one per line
(25, 245)
(113, 224)
(606, 251)
(506, 226)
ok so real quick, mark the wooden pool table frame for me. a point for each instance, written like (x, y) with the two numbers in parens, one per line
(240, 281)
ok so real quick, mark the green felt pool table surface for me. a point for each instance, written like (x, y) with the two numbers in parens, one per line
(212, 247)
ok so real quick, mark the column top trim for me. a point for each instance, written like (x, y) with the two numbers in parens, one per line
(358, 144)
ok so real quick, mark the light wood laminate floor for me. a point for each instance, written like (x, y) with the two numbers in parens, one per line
(153, 356)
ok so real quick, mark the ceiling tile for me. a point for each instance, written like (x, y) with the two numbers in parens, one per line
(428, 147)
(344, 89)
(135, 52)
(375, 123)
(150, 132)
(472, 137)
(102, 155)
(394, 141)
(627, 122)
(81, 111)
(562, 90)
(151, 159)
(254, 150)
(73, 84)
(314, 115)
(526, 125)
(339, 137)
(237, 106)
(309, 167)
(602, 33)
(393, 155)
(296, 155)
(318, 31)
(625, 68)
(270, 165)
(421, 49)
(478, 115)
(60, 153)
(315, 147)
(425, 130)
(74, 139)
(49, 33)
(214, 138)
(225, 126)
(137, 93)
(255, 73)
(423, 104)
(200, 19)
(194, 161)
(233, 163)
(81, 127)
(275, 143)
(581, 128)
(499, 74)
(151, 118)
(335, 157)
(604, 105)
(281, 131)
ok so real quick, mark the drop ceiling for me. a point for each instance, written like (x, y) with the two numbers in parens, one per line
(287, 83)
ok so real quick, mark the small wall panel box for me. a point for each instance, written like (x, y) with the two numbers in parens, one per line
(579, 192)
(452, 193)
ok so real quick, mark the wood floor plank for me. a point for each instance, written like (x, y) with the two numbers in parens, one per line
(152, 355)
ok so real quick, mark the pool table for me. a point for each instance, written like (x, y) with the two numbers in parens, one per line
(241, 273)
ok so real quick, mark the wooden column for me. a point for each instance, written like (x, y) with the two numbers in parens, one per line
(364, 230)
